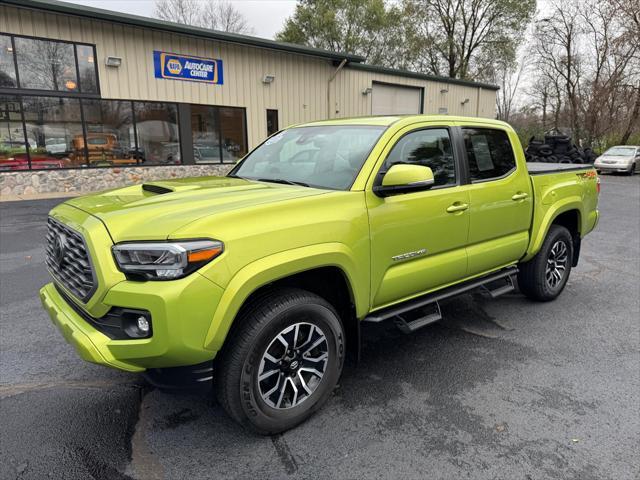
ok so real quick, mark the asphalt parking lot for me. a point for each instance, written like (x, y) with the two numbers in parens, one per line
(500, 389)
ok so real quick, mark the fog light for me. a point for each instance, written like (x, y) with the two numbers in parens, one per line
(143, 325)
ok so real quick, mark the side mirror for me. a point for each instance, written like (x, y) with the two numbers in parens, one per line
(403, 178)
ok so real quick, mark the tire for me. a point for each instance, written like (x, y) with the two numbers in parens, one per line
(275, 314)
(632, 170)
(534, 277)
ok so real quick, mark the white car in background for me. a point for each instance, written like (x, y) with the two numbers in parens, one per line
(621, 158)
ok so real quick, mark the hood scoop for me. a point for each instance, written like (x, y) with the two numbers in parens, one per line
(159, 189)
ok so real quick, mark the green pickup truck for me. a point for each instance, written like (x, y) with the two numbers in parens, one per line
(260, 281)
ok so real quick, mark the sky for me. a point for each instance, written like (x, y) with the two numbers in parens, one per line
(265, 16)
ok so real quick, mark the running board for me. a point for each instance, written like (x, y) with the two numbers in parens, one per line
(499, 287)
(407, 324)
(418, 312)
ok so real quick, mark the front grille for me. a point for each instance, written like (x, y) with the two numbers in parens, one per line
(68, 260)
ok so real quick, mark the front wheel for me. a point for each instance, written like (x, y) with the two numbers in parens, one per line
(282, 362)
(544, 276)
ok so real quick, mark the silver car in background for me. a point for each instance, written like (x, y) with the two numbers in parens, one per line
(621, 158)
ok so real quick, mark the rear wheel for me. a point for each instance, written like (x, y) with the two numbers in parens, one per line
(544, 276)
(282, 363)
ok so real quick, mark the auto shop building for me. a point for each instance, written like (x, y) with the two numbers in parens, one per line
(91, 99)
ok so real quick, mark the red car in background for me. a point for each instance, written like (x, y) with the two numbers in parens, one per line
(38, 162)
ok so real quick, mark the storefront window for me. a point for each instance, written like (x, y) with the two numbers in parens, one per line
(233, 134)
(54, 132)
(158, 138)
(87, 69)
(7, 66)
(13, 150)
(46, 65)
(110, 137)
(205, 133)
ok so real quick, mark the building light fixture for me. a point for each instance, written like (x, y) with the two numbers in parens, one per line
(268, 78)
(466, 100)
(113, 61)
(444, 90)
(367, 91)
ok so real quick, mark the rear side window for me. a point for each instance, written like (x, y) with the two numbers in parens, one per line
(431, 148)
(489, 153)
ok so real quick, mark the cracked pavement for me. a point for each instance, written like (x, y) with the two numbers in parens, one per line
(500, 389)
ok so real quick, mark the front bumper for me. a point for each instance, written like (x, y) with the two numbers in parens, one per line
(181, 313)
(612, 167)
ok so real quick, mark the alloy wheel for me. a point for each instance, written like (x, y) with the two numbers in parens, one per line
(293, 365)
(557, 264)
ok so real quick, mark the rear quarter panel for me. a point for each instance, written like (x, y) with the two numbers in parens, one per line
(556, 193)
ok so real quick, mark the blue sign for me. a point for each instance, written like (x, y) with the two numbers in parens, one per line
(183, 67)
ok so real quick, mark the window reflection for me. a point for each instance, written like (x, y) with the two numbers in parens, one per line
(205, 134)
(233, 135)
(7, 67)
(54, 132)
(46, 65)
(13, 151)
(87, 69)
(110, 137)
(158, 138)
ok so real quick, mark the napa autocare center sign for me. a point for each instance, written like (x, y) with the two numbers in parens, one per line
(184, 67)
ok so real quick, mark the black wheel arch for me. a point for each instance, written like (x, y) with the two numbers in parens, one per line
(331, 284)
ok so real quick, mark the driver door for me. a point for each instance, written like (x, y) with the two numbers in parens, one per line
(419, 239)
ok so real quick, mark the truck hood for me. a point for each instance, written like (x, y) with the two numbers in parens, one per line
(153, 210)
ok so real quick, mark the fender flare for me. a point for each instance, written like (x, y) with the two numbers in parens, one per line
(573, 202)
(280, 265)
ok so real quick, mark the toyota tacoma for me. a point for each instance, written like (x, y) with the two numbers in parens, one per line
(260, 281)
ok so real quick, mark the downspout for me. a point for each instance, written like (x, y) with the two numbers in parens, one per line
(331, 79)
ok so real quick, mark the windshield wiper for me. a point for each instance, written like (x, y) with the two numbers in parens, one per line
(282, 180)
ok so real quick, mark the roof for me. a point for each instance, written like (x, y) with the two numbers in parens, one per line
(403, 120)
(354, 61)
(421, 76)
(66, 8)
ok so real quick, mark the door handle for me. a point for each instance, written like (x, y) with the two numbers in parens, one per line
(458, 207)
(519, 196)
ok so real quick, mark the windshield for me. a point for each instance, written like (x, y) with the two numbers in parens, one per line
(322, 156)
(621, 151)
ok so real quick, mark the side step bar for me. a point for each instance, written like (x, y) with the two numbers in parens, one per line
(418, 312)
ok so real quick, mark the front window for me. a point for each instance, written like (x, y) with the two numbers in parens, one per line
(13, 148)
(110, 133)
(158, 137)
(323, 156)
(621, 151)
(54, 132)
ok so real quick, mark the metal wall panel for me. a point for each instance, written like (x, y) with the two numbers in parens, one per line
(299, 91)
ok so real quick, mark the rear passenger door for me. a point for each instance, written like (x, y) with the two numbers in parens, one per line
(500, 199)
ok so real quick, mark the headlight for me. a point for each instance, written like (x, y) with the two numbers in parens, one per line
(165, 261)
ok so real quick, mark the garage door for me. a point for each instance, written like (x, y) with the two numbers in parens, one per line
(395, 99)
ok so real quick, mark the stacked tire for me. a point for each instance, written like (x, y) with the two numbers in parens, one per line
(557, 148)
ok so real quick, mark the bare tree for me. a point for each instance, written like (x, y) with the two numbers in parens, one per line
(587, 60)
(507, 75)
(213, 14)
(464, 34)
(221, 15)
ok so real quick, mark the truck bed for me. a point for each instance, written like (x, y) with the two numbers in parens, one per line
(539, 168)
